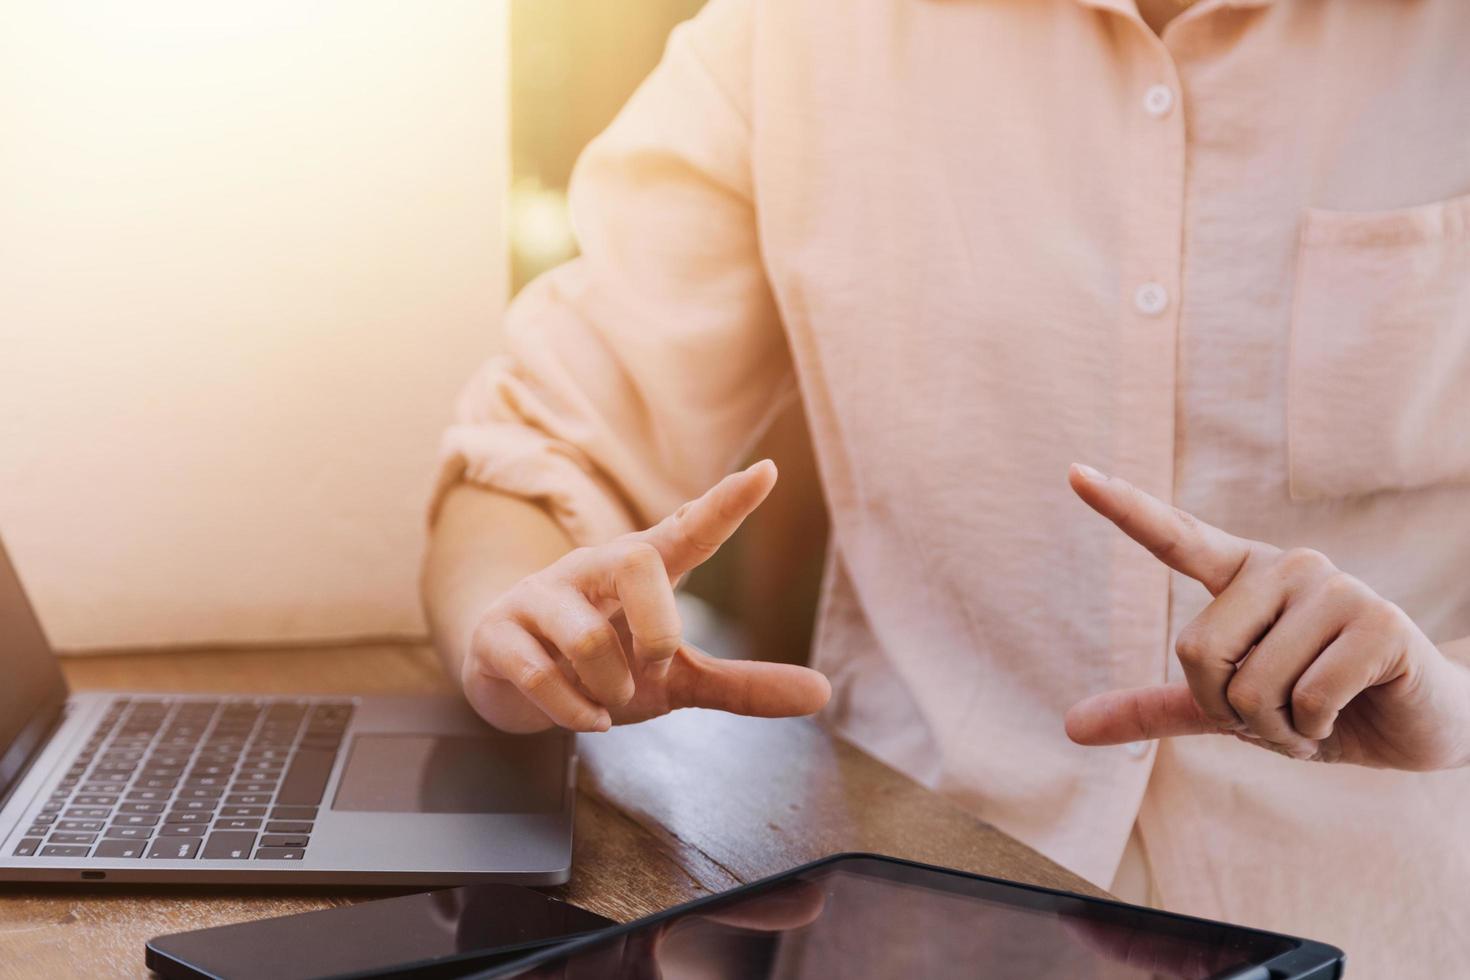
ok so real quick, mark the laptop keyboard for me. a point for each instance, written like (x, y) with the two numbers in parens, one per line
(231, 779)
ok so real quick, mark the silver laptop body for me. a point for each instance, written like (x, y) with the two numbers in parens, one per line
(133, 787)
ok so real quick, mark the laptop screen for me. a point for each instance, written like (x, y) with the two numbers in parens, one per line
(32, 690)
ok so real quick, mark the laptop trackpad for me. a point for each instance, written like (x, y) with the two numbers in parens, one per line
(453, 774)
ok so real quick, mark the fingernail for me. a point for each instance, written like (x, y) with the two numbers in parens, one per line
(603, 723)
(1088, 473)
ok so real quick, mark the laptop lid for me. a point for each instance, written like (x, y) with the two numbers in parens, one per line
(32, 688)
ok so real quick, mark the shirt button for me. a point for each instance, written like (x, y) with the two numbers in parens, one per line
(1138, 749)
(1158, 100)
(1151, 299)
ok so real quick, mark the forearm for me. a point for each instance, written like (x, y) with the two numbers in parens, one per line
(482, 543)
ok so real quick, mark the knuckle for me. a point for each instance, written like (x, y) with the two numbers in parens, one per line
(662, 645)
(1187, 520)
(1301, 563)
(1166, 548)
(477, 666)
(1341, 588)
(482, 641)
(487, 639)
(1310, 704)
(536, 678)
(1386, 617)
(565, 566)
(693, 536)
(593, 642)
(1246, 698)
(640, 556)
(1193, 645)
(529, 595)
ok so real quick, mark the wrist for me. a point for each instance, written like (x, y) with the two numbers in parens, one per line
(481, 545)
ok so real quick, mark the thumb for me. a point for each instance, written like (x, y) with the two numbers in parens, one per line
(745, 687)
(1138, 713)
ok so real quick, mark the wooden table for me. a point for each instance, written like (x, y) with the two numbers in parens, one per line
(667, 811)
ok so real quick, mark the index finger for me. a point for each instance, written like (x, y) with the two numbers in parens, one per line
(689, 536)
(1177, 538)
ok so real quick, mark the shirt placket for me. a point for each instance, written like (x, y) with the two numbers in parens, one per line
(1151, 277)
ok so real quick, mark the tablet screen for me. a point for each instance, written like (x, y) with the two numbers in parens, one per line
(866, 918)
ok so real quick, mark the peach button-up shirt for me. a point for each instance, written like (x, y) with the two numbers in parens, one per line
(981, 239)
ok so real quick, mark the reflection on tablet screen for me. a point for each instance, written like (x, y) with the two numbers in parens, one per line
(869, 919)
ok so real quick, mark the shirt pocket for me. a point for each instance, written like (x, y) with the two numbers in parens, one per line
(1378, 376)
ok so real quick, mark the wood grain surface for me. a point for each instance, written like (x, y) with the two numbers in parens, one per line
(667, 811)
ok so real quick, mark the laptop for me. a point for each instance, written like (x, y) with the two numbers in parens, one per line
(134, 787)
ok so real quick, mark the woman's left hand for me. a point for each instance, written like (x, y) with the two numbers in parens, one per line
(1292, 655)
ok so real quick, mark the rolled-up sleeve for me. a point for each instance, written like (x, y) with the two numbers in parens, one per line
(637, 374)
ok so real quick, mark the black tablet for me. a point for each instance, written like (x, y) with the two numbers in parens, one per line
(860, 916)
(435, 934)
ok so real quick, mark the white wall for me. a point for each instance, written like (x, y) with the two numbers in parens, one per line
(248, 251)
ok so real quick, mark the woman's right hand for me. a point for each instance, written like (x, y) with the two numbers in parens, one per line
(594, 639)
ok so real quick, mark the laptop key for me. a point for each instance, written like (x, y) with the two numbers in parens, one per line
(156, 782)
(183, 829)
(113, 767)
(195, 806)
(41, 818)
(237, 823)
(141, 808)
(229, 845)
(105, 788)
(83, 825)
(120, 849)
(287, 827)
(280, 853)
(61, 837)
(256, 787)
(187, 816)
(135, 820)
(284, 840)
(248, 799)
(161, 772)
(242, 811)
(95, 799)
(174, 848)
(64, 851)
(38, 831)
(129, 833)
(87, 813)
(27, 847)
(293, 813)
(306, 780)
(149, 796)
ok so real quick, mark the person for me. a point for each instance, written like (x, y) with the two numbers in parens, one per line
(1219, 251)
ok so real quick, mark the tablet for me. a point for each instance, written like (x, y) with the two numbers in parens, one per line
(860, 916)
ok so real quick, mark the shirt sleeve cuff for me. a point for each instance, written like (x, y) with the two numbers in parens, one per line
(521, 462)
